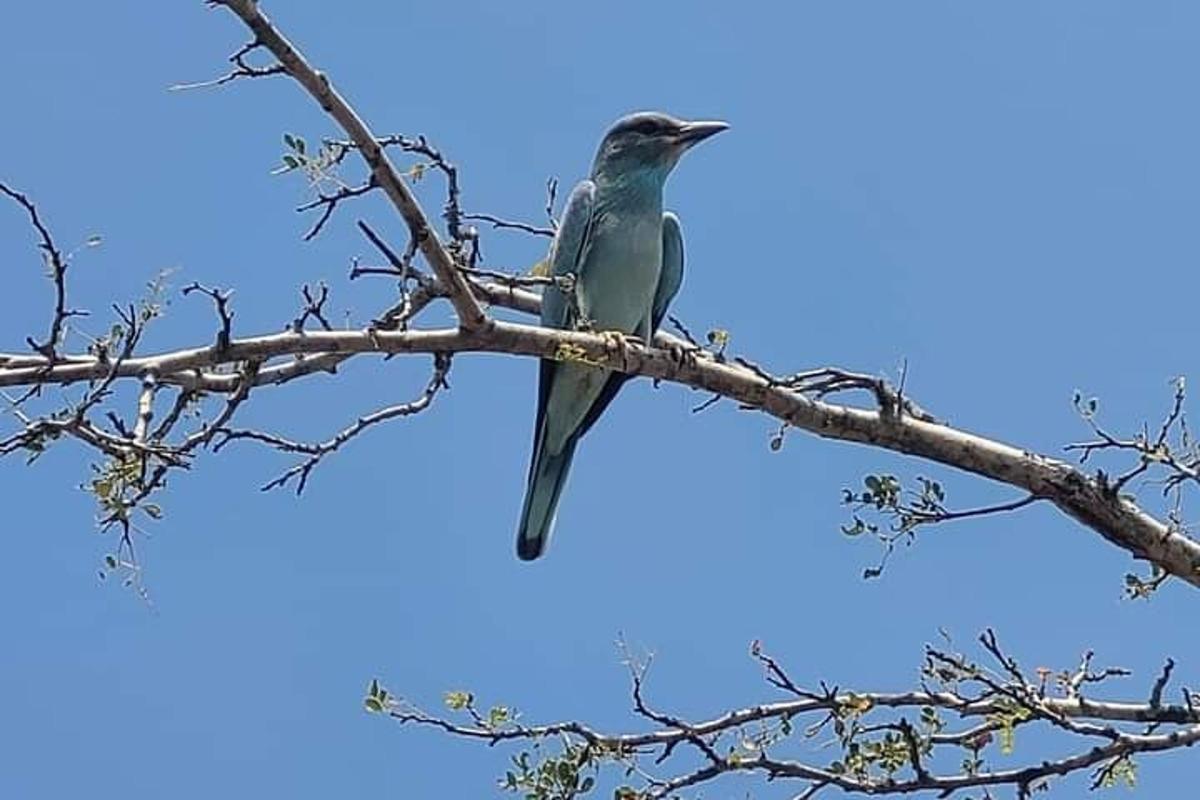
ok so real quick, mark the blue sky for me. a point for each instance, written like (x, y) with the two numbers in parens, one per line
(1003, 195)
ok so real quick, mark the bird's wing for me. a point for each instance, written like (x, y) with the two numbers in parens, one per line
(670, 278)
(567, 254)
(547, 470)
(566, 257)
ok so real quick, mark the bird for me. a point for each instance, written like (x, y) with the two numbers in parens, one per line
(617, 258)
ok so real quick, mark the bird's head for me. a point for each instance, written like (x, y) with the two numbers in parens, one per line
(649, 143)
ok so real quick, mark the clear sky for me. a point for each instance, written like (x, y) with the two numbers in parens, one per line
(1002, 194)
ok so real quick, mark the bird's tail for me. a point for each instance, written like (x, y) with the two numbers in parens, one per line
(547, 474)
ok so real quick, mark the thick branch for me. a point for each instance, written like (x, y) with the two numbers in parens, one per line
(1116, 518)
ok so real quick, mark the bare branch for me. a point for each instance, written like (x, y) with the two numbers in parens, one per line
(551, 196)
(497, 222)
(470, 314)
(241, 69)
(318, 451)
(221, 302)
(56, 264)
(328, 202)
(1159, 685)
(314, 308)
(1181, 459)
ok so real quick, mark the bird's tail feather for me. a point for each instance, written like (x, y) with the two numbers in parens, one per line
(547, 474)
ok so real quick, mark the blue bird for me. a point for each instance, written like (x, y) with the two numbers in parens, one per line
(626, 259)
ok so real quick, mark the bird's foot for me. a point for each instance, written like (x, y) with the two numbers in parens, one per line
(620, 342)
(684, 354)
(620, 339)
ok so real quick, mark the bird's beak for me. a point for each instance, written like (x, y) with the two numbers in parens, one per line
(694, 132)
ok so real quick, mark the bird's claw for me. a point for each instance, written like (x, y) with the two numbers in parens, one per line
(620, 339)
(620, 342)
(684, 354)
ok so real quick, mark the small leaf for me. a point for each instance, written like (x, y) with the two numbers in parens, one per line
(457, 701)
(497, 716)
(858, 703)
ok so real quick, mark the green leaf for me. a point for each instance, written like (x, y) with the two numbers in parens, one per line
(457, 701)
(497, 716)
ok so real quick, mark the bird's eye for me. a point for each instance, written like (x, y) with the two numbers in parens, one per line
(647, 127)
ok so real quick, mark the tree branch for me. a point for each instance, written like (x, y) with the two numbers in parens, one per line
(317, 452)
(1116, 518)
(470, 314)
(878, 750)
(56, 265)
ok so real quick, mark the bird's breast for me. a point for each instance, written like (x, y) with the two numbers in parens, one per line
(621, 271)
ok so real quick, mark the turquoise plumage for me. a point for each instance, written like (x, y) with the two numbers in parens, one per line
(626, 259)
